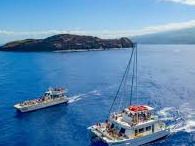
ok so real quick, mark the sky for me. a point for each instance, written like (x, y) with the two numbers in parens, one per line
(21, 19)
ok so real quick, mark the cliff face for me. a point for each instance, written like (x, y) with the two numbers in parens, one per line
(66, 42)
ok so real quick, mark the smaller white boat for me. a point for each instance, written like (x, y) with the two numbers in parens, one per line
(134, 126)
(53, 96)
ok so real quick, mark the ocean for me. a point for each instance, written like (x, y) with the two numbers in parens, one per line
(166, 81)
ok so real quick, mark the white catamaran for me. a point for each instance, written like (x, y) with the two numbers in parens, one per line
(131, 125)
(51, 97)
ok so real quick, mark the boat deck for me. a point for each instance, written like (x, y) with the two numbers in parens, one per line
(35, 102)
(110, 135)
(119, 120)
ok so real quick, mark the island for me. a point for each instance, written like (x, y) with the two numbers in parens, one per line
(66, 42)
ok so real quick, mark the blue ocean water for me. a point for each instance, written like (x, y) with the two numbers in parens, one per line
(166, 80)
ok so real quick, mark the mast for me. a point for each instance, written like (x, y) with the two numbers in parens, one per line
(131, 63)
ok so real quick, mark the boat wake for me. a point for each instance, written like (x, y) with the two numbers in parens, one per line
(75, 98)
(78, 97)
(182, 119)
(189, 116)
(94, 92)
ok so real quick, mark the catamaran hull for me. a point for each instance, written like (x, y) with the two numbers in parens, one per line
(96, 137)
(40, 106)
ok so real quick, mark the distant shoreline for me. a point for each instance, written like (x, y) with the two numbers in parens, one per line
(66, 42)
(87, 50)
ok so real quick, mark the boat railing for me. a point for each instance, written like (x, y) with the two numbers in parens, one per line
(36, 101)
(153, 117)
(110, 133)
(60, 90)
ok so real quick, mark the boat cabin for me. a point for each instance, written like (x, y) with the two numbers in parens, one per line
(55, 92)
(134, 121)
(137, 114)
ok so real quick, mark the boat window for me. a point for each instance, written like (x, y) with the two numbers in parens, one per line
(152, 128)
(148, 128)
(46, 94)
(141, 130)
(122, 130)
(136, 132)
(112, 126)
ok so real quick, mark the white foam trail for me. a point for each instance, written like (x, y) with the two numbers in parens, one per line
(179, 125)
(75, 98)
(80, 96)
(190, 126)
(165, 113)
(94, 92)
(183, 121)
(174, 117)
(189, 116)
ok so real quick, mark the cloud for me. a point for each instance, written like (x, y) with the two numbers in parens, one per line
(6, 36)
(166, 27)
(187, 2)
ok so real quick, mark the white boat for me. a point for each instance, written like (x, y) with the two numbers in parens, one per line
(53, 96)
(135, 125)
(131, 125)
